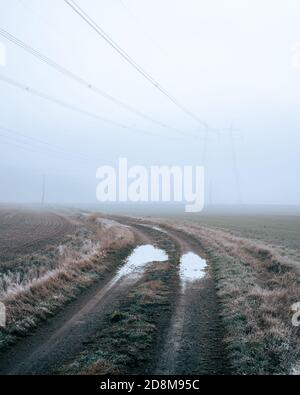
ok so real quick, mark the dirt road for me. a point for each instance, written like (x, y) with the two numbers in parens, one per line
(192, 344)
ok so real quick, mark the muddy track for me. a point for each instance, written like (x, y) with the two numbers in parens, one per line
(64, 335)
(193, 344)
(190, 343)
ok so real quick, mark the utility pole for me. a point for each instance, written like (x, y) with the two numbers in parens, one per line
(43, 190)
(204, 160)
(235, 168)
(210, 194)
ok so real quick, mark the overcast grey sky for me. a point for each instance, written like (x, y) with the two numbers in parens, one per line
(228, 61)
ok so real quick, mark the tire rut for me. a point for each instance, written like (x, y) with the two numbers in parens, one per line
(192, 342)
(65, 334)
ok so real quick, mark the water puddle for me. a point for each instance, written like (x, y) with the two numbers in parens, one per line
(159, 229)
(137, 261)
(192, 268)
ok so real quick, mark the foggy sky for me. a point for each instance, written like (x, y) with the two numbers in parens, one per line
(228, 61)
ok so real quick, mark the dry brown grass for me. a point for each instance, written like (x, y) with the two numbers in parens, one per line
(78, 264)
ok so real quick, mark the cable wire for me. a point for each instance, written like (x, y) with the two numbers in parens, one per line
(63, 70)
(56, 148)
(69, 106)
(132, 62)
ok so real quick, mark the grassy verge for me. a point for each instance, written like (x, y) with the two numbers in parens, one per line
(28, 305)
(256, 287)
(256, 302)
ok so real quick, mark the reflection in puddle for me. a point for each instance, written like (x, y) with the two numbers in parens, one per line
(154, 228)
(192, 268)
(139, 258)
(159, 229)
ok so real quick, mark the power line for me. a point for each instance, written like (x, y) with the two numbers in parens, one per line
(138, 22)
(69, 106)
(6, 141)
(43, 190)
(80, 80)
(46, 144)
(235, 168)
(27, 146)
(132, 62)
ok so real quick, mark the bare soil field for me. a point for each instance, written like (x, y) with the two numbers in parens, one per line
(276, 230)
(72, 308)
(24, 231)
